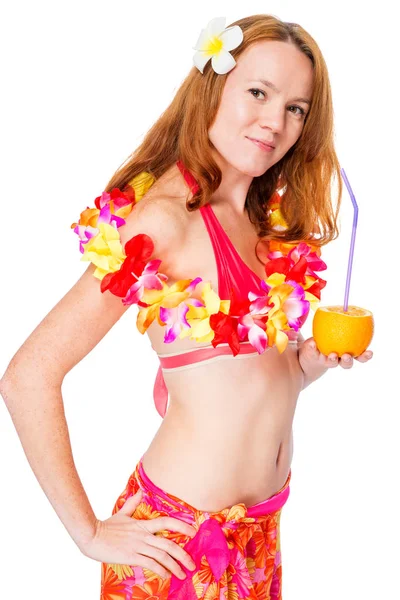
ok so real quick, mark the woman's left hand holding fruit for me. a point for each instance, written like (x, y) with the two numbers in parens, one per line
(314, 363)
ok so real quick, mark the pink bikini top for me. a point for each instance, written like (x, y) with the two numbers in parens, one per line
(235, 281)
(247, 315)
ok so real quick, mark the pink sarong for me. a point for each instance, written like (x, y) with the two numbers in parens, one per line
(236, 550)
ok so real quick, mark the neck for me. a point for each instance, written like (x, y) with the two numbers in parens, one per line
(233, 188)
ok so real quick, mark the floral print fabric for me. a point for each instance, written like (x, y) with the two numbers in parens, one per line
(236, 550)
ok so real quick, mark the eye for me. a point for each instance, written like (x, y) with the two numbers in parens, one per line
(302, 111)
(251, 90)
(258, 91)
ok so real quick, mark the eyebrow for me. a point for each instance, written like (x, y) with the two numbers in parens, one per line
(273, 87)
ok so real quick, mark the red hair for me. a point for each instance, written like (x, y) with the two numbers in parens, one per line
(302, 177)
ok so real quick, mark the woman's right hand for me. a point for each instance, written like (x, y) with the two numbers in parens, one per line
(122, 539)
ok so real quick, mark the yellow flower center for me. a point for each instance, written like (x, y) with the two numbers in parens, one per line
(214, 45)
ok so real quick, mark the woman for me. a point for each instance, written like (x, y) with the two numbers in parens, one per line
(225, 267)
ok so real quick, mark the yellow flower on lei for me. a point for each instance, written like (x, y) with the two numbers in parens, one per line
(277, 319)
(167, 297)
(199, 317)
(277, 221)
(277, 279)
(104, 250)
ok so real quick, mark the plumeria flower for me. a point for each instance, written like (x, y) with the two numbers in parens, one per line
(215, 42)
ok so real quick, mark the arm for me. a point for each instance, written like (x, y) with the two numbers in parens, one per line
(31, 385)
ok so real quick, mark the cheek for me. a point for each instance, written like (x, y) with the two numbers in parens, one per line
(223, 131)
(243, 115)
(233, 116)
(293, 136)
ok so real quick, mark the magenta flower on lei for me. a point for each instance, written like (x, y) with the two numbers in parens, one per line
(175, 317)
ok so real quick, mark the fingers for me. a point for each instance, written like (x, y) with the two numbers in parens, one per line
(332, 360)
(346, 360)
(165, 550)
(170, 523)
(151, 564)
(162, 557)
(365, 356)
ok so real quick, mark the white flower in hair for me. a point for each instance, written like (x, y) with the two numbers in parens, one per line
(215, 42)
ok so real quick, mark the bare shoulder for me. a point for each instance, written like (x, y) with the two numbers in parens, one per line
(159, 216)
(84, 315)
(163, 216)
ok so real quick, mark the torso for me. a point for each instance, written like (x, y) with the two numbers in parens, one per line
(227, 434)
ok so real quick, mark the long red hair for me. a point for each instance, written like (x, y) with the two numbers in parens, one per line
(302, 177)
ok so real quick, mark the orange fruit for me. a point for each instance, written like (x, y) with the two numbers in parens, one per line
(335, 330)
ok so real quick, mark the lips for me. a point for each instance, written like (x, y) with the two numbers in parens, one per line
(269, 145)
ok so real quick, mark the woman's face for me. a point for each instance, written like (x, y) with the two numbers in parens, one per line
(252, 109)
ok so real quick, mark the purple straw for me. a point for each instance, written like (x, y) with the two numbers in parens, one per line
(353, 238)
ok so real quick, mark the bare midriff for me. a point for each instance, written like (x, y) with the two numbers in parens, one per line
(227, 434)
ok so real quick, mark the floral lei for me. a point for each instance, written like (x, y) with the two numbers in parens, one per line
(290, 288)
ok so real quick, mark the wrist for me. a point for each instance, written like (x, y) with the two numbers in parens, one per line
(84, 536)
(85, 542)
(311, 374)
(311, 377)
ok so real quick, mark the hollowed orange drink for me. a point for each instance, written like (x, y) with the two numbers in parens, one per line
(335, 330)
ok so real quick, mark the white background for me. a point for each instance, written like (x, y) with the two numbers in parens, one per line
(82, 82)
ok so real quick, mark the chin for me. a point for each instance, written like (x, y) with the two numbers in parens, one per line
(247, 167)
(253, 170)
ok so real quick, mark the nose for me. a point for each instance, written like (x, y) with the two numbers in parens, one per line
(273, 119)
